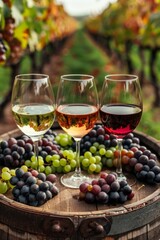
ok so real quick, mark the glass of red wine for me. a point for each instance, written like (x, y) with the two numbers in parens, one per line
(77, 108)
(121, 108)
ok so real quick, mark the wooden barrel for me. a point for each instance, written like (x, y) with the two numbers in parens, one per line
(67, 218)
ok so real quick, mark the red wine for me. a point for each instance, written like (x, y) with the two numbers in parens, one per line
(120, 119)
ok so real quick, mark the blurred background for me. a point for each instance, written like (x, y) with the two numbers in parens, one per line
(95, 37)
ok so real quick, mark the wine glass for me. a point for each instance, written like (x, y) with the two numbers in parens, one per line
(77, 111)
(120, 108)
(33, 106)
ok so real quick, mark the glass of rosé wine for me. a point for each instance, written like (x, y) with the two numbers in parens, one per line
(77, 108)
(121, 108)
(33, 107)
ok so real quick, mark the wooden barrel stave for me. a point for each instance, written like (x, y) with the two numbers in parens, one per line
(140, 216)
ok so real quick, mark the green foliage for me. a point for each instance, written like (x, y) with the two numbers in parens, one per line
(148, 125)
(4, 81)
(84, 57)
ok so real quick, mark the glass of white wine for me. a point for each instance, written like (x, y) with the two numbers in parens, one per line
(77, 108)
(33, 106)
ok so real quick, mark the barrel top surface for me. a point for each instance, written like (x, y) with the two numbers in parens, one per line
(67, 202)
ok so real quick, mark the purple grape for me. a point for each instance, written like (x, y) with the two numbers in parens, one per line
(114, 197)
(115, 186)
(106, 188)
(44, 186)
(127, 189)
(89, 197)
(96, 189)
(31, 180)
(102, 197)
(25, 190)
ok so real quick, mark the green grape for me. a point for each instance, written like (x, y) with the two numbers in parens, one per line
(6, 176)
(92, 160)
(87, 154)
(57, 138)
(55, 157)
(73, 163)
(61, 135)
(98, 159)
(56, 163)
(3, 187)
(101, 146)
(70, 141)
(109, 162)
(92, 167)
(65, 153)
(42, 168)
(34, 165)
(63, 142)
(67, 168)
(96, 144)
(109, 153)
(53, 169)
(98, 168)
(28, 163)
(48, 170)
(5, 169)
(12, 172)
(113, 149)
(71, 155)
(102, 151)
(48, 158)
(81, 158)
(63, 162)
(33, 158)
(93, 149)
(59, 169)
(40, 161)
(85, 162)
(24, 168)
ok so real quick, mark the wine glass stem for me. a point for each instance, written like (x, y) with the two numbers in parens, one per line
(78, 167)
(36, 152)
(119, 160)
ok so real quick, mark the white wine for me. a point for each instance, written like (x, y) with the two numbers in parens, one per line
(35, 119)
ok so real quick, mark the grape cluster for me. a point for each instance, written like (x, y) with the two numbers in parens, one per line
(14, 45)
(5, 177)
(33, 188)
(106, 189)
(98, 136)
(8, 3)
(98, 151)
(2, 51)
(143, 163)
(14, 152)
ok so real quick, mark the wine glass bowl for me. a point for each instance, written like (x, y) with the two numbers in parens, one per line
(77, 110)
(121, 108)
(33, 106)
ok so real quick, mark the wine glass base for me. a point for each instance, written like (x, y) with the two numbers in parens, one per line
(74, 180)
(121, 177)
